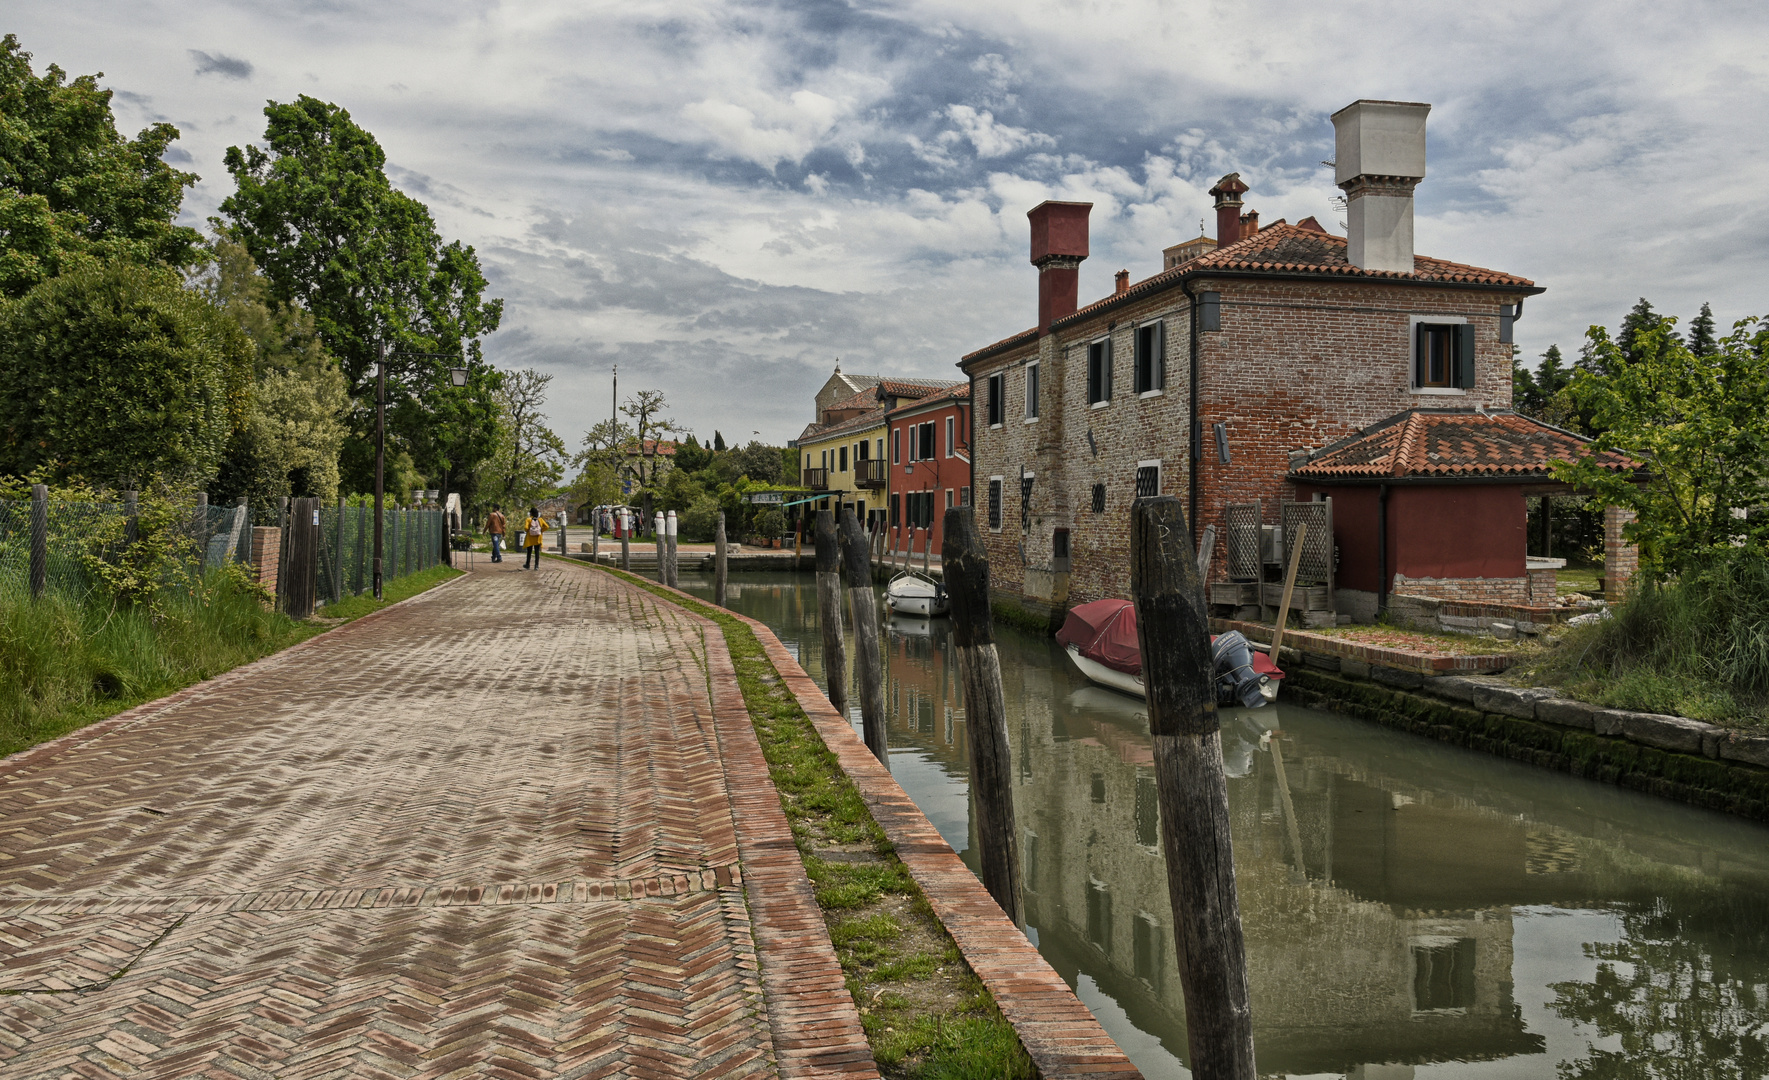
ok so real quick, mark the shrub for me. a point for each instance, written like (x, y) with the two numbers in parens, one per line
(699, 520)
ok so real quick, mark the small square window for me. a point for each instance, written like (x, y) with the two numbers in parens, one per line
(1443, 356)
(1148, 481)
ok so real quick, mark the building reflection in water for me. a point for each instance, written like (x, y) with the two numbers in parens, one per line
(1381, 878)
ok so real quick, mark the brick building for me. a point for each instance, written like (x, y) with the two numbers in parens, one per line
(842, 452)
(1211, 379)
(929, 442)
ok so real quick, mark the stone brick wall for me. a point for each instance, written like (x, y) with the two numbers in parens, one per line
(1544, 586)
(267, 554)
(1509, 591)
(1295, 366)
(1621, 560)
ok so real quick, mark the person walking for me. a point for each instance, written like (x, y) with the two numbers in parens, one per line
(532, 531)
(495, 525)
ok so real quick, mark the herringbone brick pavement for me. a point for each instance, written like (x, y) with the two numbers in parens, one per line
(487, 832)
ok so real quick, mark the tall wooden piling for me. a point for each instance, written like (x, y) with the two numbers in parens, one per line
(829, 611)
(868, 654)
(669, 529)
(663, 574)
(965, 568)
(1191, 790)
(720, 568)
(626, 539)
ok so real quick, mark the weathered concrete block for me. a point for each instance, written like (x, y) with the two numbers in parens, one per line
(1406, 680)
(1608, 721)
(1738, 746)
(1462, 622)
(1504, 631)
(1456, 687)
(1665, 732)
(1355, 668)
(1567, 713)
(1510, 700)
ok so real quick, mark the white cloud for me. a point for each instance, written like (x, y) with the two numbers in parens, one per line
(993, 139)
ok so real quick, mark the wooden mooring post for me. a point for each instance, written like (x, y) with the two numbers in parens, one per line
(626, 537)
(1190, 789)
(669, 528)
(829, 611)
(720, 568)
(663, 574)
(868, 654)
(965, 568)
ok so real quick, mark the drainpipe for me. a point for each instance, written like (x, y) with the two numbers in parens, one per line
(1192, 464)
(1382, 547)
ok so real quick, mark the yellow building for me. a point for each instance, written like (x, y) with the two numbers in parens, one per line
(842, 453)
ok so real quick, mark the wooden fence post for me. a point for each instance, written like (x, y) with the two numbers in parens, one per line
(302, 555)
(965, 571)
(829, 611)
(39, 540)
(719, 565)
(868, 657)
(1191, 790)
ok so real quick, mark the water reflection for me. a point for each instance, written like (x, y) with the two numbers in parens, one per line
(1410, 909)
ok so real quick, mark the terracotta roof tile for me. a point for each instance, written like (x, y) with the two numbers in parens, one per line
(871, 418)
(959, 392)
(1451, 444)
(913, 387)
(1280, 248)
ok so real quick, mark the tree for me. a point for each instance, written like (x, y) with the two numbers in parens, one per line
(315, 209)
(718, 442)
(1702, 341)
(691, 456)
(1542, 395)
(290, 443)
(759, 462)
(1701, 426)
(646, 408)
(116, 373)
(72, 190)
(529, 459)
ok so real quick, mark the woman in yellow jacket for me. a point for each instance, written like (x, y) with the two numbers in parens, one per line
(532, 531)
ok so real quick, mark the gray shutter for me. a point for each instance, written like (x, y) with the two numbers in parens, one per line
(1465, 356)
(1210, 311)
(1106, 374)
(1421, 354)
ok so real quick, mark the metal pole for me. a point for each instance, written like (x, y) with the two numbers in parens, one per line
(380, 451)
(338, 563)
(39, 540)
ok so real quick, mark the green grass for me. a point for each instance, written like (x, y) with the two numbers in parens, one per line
(355, 607)
(64, 664)
(1577, 579)
(926, 1014)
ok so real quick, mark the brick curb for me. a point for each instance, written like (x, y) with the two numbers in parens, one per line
(811, 1015)
(1423, 663)
(1061, 1035)
(148, 710)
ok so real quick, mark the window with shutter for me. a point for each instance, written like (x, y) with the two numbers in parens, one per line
(1031, 391)
(895, 506)
(1099, 371)
(896, 446)
(964, 496)
(950, 442)
(1443, 356)
(995, 400)
(1026, 502)
(1147, 375)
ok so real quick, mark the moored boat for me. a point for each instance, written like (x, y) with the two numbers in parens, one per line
(1101, 639)
(914, 593)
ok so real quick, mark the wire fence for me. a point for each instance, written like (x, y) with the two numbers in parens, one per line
(73, 542)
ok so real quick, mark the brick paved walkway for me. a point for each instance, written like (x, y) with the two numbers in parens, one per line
(483, 833)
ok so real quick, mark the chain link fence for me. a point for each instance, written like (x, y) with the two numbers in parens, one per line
(47, 545)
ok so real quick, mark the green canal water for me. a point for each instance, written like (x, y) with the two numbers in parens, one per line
(1411, 909)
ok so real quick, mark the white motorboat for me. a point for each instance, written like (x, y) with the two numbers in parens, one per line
(914, 593)
(1097, 672)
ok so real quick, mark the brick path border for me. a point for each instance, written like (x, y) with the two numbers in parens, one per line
(815, 1025)
(1061, 1035)
(147, 710)
(1063, 1038)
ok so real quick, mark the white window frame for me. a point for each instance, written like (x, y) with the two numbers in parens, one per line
(1157, 363)
(1154, 463)
(951, 427)
(1032, 389)
(1413, 322)
(1087, 371)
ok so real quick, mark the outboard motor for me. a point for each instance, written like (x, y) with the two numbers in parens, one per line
(1236, 681)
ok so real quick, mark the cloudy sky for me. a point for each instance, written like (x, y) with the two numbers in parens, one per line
(724, 197)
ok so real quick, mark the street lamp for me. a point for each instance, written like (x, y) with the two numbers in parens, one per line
(458, 375)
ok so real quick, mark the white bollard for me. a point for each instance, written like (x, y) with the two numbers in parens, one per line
(663, 574)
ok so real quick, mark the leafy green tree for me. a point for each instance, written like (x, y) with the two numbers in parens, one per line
(645, 464)
(1702, 341)
(718, 442)
(759, 462)
(72, 189)
(117, 373)
(691, 456)
(1701, 426)
(314, 207)
(528, 459)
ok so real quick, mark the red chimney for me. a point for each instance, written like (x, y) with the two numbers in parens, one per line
(1249, 223)
(1228, 209)
(1059, 243)
(1123, 280)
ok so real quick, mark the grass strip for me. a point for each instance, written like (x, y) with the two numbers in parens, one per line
(66, 664)
(926, 1014)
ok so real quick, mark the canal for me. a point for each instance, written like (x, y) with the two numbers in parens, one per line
(1411, 909)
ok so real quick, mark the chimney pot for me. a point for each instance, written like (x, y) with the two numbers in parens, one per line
(1228, 193)
(1059, 243)
(1249, 223)
(1123, 281)
(1379, 156)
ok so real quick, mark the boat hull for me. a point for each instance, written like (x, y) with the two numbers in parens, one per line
(1099, 673)
(909, 594)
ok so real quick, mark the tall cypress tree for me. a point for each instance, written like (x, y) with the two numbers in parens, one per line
(1702, 341)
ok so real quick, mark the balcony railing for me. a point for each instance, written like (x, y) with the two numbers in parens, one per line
(872, 473)
(817, 479)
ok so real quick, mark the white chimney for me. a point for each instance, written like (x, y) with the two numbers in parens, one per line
(1379, 156)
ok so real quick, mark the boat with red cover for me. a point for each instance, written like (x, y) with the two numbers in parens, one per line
(1100, 637)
